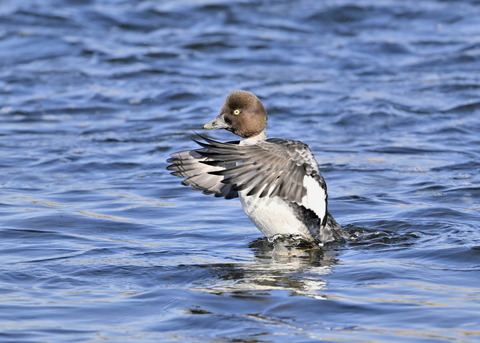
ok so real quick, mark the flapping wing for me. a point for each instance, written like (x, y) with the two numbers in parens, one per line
(189, 165)
(275, 167)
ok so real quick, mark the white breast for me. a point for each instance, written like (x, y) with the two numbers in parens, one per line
(272, 216)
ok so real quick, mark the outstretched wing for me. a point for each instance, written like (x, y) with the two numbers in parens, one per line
(275, 167)
(189, 165)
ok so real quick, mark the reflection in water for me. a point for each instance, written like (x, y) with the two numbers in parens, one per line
(284, 264)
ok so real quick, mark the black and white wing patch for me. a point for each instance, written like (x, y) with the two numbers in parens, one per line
(274, 167)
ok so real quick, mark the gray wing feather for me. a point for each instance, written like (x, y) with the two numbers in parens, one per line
(190, 165)
(275, 167)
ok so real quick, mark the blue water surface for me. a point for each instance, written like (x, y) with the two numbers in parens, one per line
(98, 242)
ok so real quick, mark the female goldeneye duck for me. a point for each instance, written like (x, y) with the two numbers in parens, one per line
(277, 180)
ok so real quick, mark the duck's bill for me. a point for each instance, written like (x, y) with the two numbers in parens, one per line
(217, 123)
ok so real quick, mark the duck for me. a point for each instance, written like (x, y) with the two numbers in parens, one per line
(277, 180)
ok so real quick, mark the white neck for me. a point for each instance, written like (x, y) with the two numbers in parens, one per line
(254, 139)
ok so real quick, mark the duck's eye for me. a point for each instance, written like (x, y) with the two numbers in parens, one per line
(236, 112)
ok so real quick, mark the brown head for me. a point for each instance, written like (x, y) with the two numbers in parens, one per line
(242, 113)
